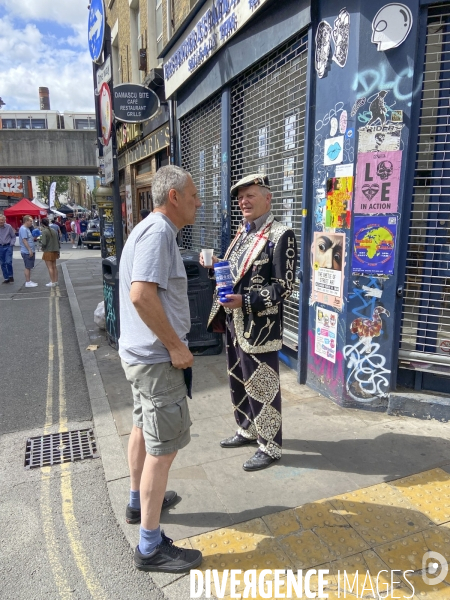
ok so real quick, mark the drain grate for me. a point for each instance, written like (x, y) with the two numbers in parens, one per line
(58, 448)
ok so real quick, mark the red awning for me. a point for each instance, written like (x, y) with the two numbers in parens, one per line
(24, 207)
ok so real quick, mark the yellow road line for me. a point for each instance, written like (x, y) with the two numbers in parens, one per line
(76, 544)
(48, 524)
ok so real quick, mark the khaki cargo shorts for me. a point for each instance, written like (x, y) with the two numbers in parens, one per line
(160, 406)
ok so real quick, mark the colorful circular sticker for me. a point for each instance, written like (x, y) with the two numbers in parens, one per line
(374, 245)
(105, 112)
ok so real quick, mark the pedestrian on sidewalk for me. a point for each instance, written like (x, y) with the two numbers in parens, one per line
(262, 259)
(27, 249)
(7, 241)
(155, 320)
(50, 247)
(63, 230)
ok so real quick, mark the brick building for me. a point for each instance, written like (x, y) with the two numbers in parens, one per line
(136, 37)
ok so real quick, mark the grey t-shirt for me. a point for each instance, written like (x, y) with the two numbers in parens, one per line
(152, 254)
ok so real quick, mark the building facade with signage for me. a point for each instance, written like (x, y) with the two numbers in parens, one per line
(136, 27)
(345, 108)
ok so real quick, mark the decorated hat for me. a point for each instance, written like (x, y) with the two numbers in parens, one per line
(255, 179)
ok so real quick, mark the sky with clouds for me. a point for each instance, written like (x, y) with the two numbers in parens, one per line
(44, 43)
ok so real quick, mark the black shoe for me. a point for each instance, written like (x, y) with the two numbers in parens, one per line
(260, 460)
(5, 281)
(167, 558)
(11, 279)
(133, 515)
(237, 441)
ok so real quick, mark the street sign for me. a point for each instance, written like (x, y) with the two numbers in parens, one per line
(134, 103)
(104, 73)
(96, 28)
(105, 112)
(108, 162)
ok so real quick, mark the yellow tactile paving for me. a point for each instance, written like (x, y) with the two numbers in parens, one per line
(282, 523)
(422, 591)
(429, 492)
(379, 514)
(318, 514)
(404, 554)
(343, 541)
(367, 565)
(382, 528)
(306, 550)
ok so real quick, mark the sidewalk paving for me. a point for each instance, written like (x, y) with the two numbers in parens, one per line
(328, 453)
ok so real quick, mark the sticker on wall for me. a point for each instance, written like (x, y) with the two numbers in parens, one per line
(319, 212)
(377, 182)
(360, 102)
(384, 138)
(344, 170)
(323, 47)
(391, 26)
(343, 121)
(374, 245)
(334, 150)
(328, 268)
(341, 37)
(397, 116)
(333, 126)
(326, 333)
(339, 203)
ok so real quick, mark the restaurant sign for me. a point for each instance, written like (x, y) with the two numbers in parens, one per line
(219, 22)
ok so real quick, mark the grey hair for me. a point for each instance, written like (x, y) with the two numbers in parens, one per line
(168, 178)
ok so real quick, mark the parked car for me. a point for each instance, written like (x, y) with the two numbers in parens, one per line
(92, 236)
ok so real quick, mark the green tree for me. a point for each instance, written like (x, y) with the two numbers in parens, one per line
(45, 181)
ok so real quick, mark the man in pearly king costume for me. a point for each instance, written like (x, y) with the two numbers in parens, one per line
(262, 258)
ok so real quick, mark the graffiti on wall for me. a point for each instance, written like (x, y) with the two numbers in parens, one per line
(11, 186)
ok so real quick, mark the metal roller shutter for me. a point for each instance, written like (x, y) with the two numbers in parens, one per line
(425, 333)
(267, 135)
(201, 156)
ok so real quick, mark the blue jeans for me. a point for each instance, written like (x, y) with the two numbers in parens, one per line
(6, 256)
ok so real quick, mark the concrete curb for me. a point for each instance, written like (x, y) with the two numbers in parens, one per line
(175, 587)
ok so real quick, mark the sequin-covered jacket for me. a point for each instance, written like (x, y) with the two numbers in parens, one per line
(263, 269)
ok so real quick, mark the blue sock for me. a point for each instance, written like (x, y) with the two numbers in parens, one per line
(149, 539)
(135, 499)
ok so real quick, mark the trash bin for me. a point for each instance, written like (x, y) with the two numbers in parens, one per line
(111, 296)
(200, 294)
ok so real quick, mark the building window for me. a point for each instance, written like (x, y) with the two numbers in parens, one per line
(38, 124)
(143, 167)
(159, 27)
(24, 123)
(88, 123)
(8, 123)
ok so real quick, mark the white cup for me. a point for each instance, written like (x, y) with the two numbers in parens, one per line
(207, 257)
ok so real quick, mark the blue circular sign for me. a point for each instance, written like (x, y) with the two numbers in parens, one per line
(96, 29)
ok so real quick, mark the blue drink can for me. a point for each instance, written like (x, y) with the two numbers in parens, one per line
(224, 280)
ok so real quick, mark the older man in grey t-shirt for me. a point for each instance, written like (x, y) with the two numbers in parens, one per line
(155, 320)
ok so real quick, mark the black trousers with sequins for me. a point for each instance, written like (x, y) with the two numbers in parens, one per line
(255, 393)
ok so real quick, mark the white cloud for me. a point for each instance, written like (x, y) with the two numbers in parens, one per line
(29, 60)
(64, 12)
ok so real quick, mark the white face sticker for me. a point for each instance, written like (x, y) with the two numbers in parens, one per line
(333, 126)
(391, 26)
